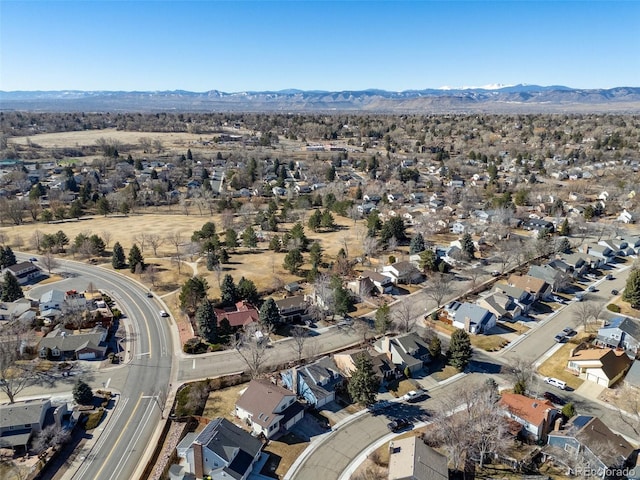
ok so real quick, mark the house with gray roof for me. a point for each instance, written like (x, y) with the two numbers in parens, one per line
(24, 272)
(471, 317)
(292, 309)
(411, 459)
(20, 420)
(587, 441)
(621, 332)
(632, 378)
(405, 351)
(315, 382)
(18, 310)
(501, 305)
(52, 299)
(520, 296)
(63, 344)
(268, 409)
(553, 277)
(221, 451)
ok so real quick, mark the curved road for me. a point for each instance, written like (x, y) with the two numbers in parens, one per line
(120, 449)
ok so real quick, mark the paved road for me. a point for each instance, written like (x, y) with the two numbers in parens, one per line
(121, 446)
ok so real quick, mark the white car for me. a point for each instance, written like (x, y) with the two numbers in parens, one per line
(163, 313)
(413, 395)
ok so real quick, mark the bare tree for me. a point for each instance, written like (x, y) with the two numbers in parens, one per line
(475, 274)
(106, 237)
(49, 261)
(36, 238)
(586, 313)
(522, 371)
(404, 316)
(155, 241)
(51, 436)
(177, 260)
(506, 253)
(16, 373)
(439, 287)
(370, 247)
(141, 239)
(151, 274)
(175, 239)
(299, 336)
(629, 408)
(254, 353)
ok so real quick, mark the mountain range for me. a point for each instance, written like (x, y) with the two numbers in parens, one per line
(500, 99)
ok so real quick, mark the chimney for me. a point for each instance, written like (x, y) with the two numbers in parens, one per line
(198, 460)
(467, 324)
(557, 424)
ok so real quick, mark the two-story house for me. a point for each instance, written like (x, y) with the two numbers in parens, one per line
(501, 305)
(221, 451)
(621, 332)
(556, 279)
(520, 296)
(268, 408)
(383, 367)
(535, 416)
(602, 366)
(315, 382)
(535, 286)
(20, 420)
(402, 272)
(405, 351)
(587, 443)
(470, 317)
(24, 272)
(292, 309)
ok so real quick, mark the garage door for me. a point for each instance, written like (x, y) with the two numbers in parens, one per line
(87, 356)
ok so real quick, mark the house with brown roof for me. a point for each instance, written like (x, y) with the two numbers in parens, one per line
(603, 366)
(411, 459)
(268, 408)
(535, 416)
(383, 367)
(238, 316)
(535, 286)
(587, 443)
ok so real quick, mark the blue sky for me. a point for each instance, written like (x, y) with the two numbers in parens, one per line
(337, 45)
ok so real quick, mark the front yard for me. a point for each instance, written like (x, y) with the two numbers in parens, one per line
(555, 365)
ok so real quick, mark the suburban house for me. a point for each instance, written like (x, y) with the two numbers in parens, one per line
(632, 378)
(268, 408)
(470, 317)
(18, 310)
(383, 367)
(535, 286)
(405, 351)
(538, 224)
(20, 420)
(411, 459)
(238, 316)
(520, 296)
(315, 382)
(602, 366)
(618, 247)
(24, 272)
(221, 451)
(535, 416)
(620, 332)
(553, 277)
(292, 309)
(63, 344)
(600, 253)
(626, 217)
(587, 442)
(580, 262)
(402, 272)
(52, 299)
(562, 267)
(501, 305)
(382, 283)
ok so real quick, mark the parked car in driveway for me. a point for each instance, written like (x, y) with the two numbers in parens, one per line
(398, 424)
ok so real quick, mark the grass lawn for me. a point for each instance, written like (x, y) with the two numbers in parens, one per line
(489, 343)
(398, 389)
(221, 403)
(555, 365)
(282, 453)
(446, 371)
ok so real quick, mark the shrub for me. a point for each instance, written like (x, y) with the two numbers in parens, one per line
(612, 307)
(94, 419)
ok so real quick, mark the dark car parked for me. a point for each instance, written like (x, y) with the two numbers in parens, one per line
(398, 424)
(553, 398)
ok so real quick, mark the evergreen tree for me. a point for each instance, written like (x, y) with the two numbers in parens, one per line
(228, 291)
(467, 246)
(363, 385)
(428, 261)
(224, 256)
(103, 206)
(249, 238)
(269, 313)
(118, 260)
(383, 319)
(135, 258)
(193, 291)
(231, 238)
(374, 224)
(7, 257)
(460, 349)
(207, 321)
(394, 227)
(417, 244)
(82, 393)
(342, 300)
(327, 221)
(248, 291)
(213, 260)
(569, 410)
(11, 289)
(293, 261)
(632, 289)
(315, 220)
(315, 255)
(435, 347)
(275, 243)
(297, 233)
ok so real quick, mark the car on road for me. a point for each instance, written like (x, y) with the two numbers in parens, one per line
(591, 288)
(149, 294)
(553, 398)
(609, 276)
(413, 395)
(398, 424)
(568, 331)
(163, 313)
(579, 297)
(495, 273)
(33, 259)
(561, 337)
(614, 292)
